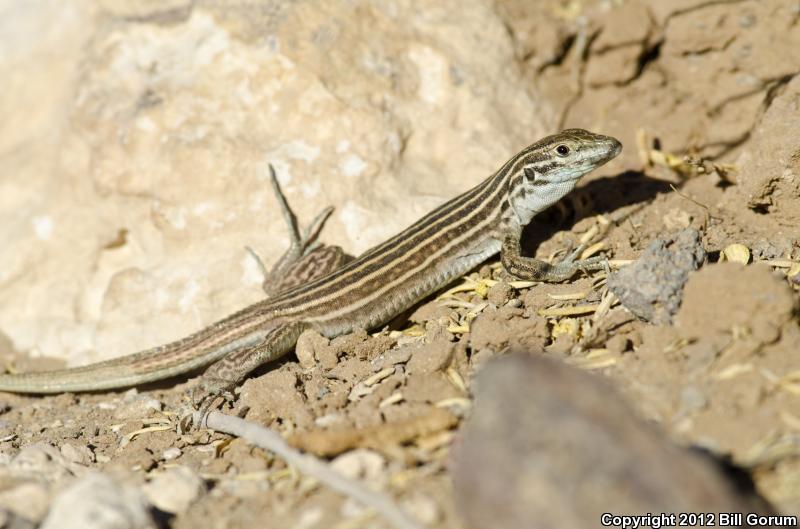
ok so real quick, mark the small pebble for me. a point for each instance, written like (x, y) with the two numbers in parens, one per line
(363, 464)
(737, 253)
(432, 357)
(77, 454)
(747, 21)
(174, 490)
(309, 347)
(693, 399)
(399, 355)
(171, 453)
(618, 344)
(330, 419)
(500, 293)
(137, 407)
(98, 502)
(423, 508)
(437, 330)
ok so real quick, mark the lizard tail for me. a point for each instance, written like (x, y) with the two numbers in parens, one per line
(116, 373)
(165, 361)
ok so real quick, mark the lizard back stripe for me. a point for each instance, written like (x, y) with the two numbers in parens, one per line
(365, 292)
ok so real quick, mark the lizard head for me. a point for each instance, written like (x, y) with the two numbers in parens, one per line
(549, 169)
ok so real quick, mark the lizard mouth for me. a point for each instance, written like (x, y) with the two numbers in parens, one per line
(606, 149)
(599, 153)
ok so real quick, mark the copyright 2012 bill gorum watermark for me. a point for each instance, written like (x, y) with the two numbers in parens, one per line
(695, 519)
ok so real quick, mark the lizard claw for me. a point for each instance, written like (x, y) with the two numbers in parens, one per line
(203, 399)
(592, 264)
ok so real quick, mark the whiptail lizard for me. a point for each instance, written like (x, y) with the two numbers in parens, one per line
(320, 290)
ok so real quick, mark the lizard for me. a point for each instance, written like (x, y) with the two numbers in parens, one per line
(318, 287)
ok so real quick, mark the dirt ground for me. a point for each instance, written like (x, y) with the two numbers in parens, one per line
(706, 96)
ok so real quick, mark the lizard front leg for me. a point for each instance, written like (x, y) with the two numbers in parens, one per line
(536, 270)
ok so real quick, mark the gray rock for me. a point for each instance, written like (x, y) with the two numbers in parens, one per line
(652, 287)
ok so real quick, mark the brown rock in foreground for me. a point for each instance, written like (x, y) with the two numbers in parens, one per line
(551, 446)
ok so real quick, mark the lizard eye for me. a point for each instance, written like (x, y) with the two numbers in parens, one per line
(562, 150)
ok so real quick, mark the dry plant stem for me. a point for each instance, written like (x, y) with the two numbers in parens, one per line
(310, 466)
(706, 209)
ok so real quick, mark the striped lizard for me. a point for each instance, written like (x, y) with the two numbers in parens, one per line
(316, 287)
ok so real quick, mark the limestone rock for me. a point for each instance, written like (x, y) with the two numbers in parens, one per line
(175, 490)
(134, 162)
(98, 502)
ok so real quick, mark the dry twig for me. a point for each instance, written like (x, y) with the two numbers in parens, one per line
(309, 465)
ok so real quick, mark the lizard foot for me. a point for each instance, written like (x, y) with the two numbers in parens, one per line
(205, 397)
(571, 263)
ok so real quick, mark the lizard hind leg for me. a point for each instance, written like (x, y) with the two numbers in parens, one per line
(306, 259)
(222, 377)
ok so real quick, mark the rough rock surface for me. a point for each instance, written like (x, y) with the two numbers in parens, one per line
(770, 165)
(758, 304)
(652, 287)
(696, 73)
(725, 370)
(134, 161)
